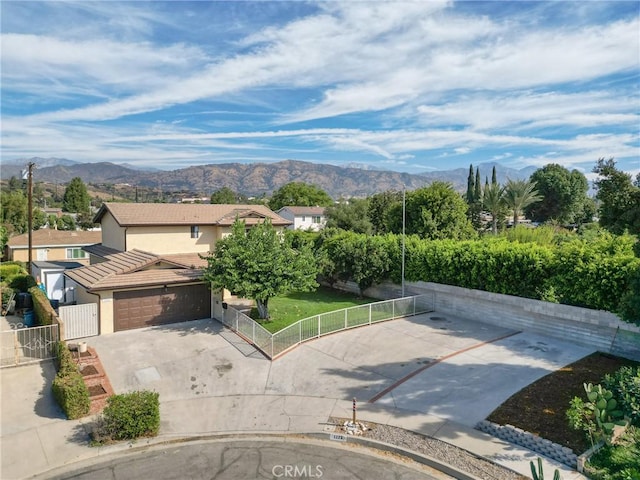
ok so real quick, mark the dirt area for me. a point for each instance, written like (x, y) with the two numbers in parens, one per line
(540, 407)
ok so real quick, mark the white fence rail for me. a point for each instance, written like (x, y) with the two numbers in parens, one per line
(79, 320)
(273, 345)
(28, 345)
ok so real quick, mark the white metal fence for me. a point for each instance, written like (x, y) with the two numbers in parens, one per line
(28, 345)
(273, 345)
(79, 320)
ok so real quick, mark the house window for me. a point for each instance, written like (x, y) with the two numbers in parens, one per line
(304, 218)
(75, 253)
(195, 231)
(315, 219)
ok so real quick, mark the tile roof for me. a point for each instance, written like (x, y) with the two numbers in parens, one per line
(187, 260)
(139, 214)
(47, 237)
(304, 210)
(100, 250)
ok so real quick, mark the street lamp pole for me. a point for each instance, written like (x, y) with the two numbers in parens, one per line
(403, 234)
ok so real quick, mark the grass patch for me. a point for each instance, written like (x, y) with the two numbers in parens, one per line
(288, 309)
(540, 408)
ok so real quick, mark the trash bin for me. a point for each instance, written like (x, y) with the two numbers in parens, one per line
(24, 301)
(29, 318)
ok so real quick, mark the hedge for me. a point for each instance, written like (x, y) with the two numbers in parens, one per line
(129, 416)
(42, 306)
(600, 273)
(68, 387)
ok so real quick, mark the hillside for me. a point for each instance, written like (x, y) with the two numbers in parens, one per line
(257, 179)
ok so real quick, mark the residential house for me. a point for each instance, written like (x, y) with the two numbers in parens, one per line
(304, 218)
(148, 270)
(52, 245)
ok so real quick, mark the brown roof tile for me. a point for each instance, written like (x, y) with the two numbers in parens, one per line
(47, 237)
(138, 214)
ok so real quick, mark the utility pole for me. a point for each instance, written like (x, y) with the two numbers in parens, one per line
(403, 234)
(30, 213)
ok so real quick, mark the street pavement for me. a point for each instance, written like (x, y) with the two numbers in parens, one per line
(433, 374)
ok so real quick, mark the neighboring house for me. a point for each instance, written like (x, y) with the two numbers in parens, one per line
(304, 218)
(52, 245)
(148, 271)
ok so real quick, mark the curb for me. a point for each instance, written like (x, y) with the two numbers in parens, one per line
(130, 448)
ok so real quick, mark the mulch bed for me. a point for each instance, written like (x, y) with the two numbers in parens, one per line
(89, 370)
(96, 390)
(540, 407)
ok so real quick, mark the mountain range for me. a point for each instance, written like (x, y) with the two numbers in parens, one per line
(254, 179)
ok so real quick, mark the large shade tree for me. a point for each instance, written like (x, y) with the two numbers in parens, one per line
(381, 206)
(437, 212)
(351, 215)
(299, 194)
(619, 198)
(518, 195)
(259, 263)
(76, 198)
(563, 192)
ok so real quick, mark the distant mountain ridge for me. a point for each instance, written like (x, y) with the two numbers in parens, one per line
(256, 179)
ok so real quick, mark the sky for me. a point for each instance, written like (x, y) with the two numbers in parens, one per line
(405, 86)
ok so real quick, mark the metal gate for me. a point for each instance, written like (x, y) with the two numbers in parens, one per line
(28, 345)
(79, 320)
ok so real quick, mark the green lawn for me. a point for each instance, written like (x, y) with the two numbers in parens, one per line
(290, 308)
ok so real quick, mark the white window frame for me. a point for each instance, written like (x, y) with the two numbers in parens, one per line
(69, 253)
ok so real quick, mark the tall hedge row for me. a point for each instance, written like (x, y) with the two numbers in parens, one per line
(593, 274)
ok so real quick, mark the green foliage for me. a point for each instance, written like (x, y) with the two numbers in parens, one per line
(68, 387)
(563, 193)
(299, 194)
(260, 264)
(437, 212)
(14, 211)
(76, 198)
(629, 306)
(538, 473)
(226, 196)
(4, 238)
(129, 416)
(619, 461)
(493, 202)
(41, 306)
(66, 222)
(518, 195)
(625, 385)
(619, 198)
(351, 215)
(22, 282)
(598, 416)
(381, 206)
(544, 235)
(10, 270)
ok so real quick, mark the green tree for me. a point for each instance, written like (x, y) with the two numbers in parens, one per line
(493, 201)
(39, 219)
(299, 194)
(260, 264)
(518, 195)
(470, 186)
(4, 238)
(76, 199)
(351, 215)
(225, 196)
(14, 184)
(619, 198)
(437, 211)
(13, 211)
(381, 205)
(66, 222)
(563, 192)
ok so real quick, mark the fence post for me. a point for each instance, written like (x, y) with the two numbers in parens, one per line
(346, 323)
(414, 305)
(253, 338)
(271, 347)
(318, 326)
(369, 314)
(299, 332)
(393, 309)
(15, 346)
(237, 320)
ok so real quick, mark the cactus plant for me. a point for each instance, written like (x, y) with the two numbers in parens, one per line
(605, 411)
(538, 474)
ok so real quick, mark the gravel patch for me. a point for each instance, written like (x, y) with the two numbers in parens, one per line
(437, 449)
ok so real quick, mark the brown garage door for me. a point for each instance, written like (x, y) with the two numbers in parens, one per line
(156, 306)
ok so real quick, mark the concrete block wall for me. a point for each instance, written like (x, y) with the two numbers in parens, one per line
(598, 329)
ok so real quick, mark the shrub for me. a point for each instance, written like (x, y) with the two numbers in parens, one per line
(619, 461)
(129, 416)
(10, 270)
(72, 394)
(625, 385)
(42, 306)
(64, 360)
(22, 282)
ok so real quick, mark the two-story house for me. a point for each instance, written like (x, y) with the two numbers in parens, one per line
(304, 218)
(148, 271)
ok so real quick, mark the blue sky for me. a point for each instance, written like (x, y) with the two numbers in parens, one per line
(407, 86)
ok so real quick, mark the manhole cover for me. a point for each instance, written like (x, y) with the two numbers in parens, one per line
(437, 319)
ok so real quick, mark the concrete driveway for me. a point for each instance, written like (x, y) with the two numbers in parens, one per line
(446, 367)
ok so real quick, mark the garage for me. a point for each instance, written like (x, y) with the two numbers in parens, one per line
(158, 306)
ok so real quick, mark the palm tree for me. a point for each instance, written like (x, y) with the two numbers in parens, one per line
(493, 201)
(518, 195)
